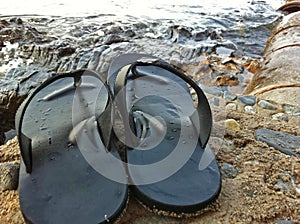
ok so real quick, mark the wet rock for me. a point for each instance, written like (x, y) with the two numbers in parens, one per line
(280, 116)
(232, 125)
(250, 110)
(284, 142)
(247, 100)
(229, 96)
(266, 105)
(9, 175)
(66, 51)
(228, 170)
(231, 106)
(113, 38)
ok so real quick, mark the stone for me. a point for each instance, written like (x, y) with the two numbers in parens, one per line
(284, 222)
(228, 170)
(232, 125)
(266, 105)
(9, 176)
(284, 142)
(250, 110)
(280, 117)
(229, 96)
(213, 90)
(291, 110)
(248, 100)
(231, 106)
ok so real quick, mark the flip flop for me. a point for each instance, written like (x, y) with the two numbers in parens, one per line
(171, 167)
(70, 173)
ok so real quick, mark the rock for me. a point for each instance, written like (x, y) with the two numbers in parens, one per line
(232, 125)
(229, 96)
(284, 142)
(9, 175)
(215, 101)
(284, 222)
(247, 100)
(250, 110)
(284, 186)
(228, 170)
(266, 105)
(292, 110)
(231, 106)
(280, 116)
(213, 90)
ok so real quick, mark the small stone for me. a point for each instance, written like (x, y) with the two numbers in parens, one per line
(229, 96)
(215, 101)
(9, 176)
(231, 106)
(228, 170)
(292, 110)
(213, 90)
(284, 222)
(232, 124)
(247, 100)
(280, 117)
(284, 142)
(266, 105)
(250, 110)
(284, 186)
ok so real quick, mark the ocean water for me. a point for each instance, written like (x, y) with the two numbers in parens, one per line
(246, 23)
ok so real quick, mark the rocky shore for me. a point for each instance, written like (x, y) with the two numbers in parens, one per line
(255, 104)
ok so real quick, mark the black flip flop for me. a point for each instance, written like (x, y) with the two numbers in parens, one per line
(171, 167)
(70, 173)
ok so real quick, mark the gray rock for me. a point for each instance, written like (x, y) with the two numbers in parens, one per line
(267, 105)
(280, 117)
(228, 170)
(247, 100)
(9, 176)
(250, 110)
(229, 96)
(231, 106)
(213, 90)
(292, 110)
(284, 222)
(284, 186)
(282, 141)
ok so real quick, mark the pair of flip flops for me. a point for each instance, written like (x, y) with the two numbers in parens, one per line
(69, 128)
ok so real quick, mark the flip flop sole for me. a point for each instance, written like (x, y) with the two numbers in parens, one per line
(63, 187)
(168, 177)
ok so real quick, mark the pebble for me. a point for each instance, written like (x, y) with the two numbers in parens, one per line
(266, 105)
(247, 100)
(284, 222)
(229, 96)
(250, 110)
(284, 142)
(213, 90)
(9, 176)
(232, 124)
(231, 106)
(228, 170)
(280, 117)
(292, 110)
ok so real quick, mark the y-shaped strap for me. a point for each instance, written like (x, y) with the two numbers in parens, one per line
(203, 111)
(104, 121)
